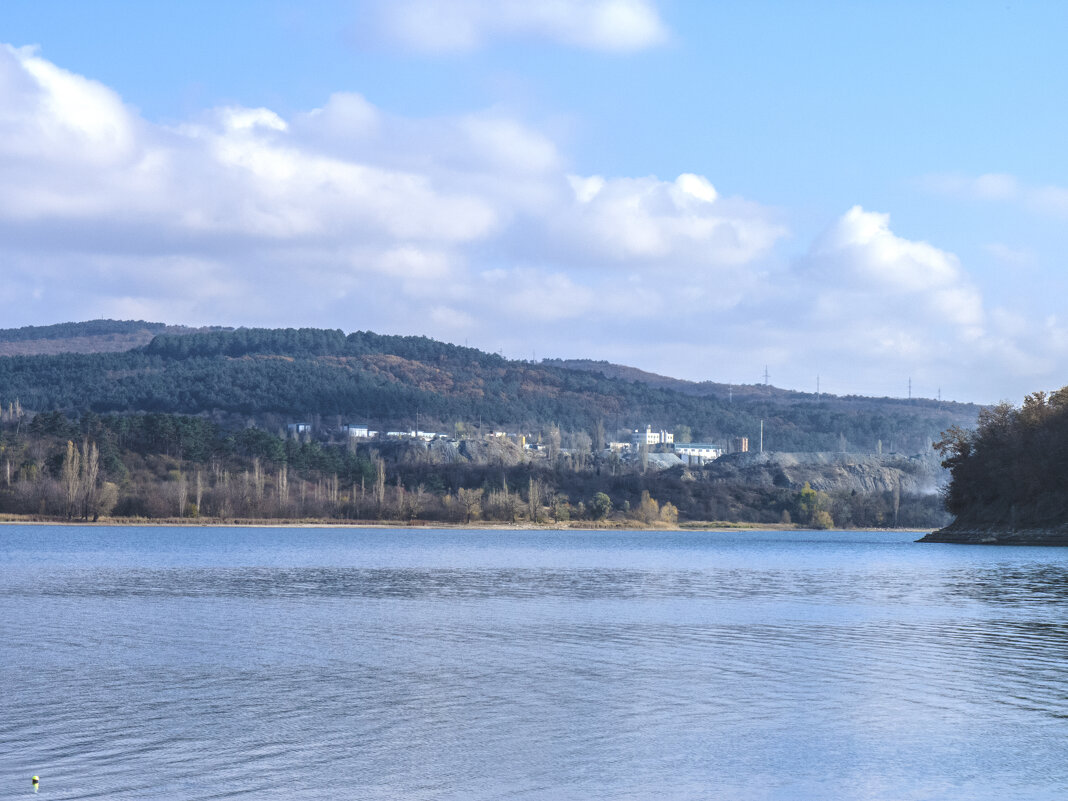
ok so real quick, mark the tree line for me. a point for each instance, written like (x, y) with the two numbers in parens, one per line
(165, 466)
(1011, 470)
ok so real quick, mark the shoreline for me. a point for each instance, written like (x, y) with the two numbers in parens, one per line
(475, 525)
(1040, 537)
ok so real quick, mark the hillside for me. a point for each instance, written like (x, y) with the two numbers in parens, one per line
(93, 336)
(709, 389)
(275, 375)
(746, 392)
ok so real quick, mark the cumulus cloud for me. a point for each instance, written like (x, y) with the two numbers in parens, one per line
(472, 217)
(470, 226)
(438, 26)
(682, 222)
(863, 266)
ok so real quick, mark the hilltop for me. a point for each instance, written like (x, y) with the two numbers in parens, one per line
(93, 336)
(274, 376)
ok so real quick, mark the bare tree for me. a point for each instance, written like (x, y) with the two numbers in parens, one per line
(258, 481)
(535, 491)
(282, 487)
(380, 481)
(88, 480)
(471, 500)
(181, 490)
(580, 449)
(552, 439)
(71, 478)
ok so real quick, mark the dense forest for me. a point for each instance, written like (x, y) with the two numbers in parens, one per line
(269, 376)
(1011, 471)
(89, 328)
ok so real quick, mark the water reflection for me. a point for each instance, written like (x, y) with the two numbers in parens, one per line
(1012, 584)
(755, 670)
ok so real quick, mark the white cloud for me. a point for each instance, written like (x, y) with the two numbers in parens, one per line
(1049, 200)
(1013, 257)
(682, 224)
(343, 203)
(458, 25)
(49, 112)
(893, 294)
(470, 226)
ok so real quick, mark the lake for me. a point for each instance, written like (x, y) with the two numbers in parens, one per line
(210, 663)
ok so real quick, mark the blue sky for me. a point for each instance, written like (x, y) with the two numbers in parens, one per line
(868, 192)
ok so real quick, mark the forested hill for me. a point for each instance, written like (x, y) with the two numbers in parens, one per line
(92, 336)
(702, 388)
(274, 375)
(713, 389)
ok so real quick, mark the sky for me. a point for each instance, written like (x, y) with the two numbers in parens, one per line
(873, 196)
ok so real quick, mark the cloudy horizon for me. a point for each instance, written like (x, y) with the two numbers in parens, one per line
(383, 192)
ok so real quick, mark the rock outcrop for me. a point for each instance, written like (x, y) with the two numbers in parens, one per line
(830, 472)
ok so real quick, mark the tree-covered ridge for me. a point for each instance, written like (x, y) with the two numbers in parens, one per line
(72, 330)
(1011, 471)
(93, 336)
(390, 381)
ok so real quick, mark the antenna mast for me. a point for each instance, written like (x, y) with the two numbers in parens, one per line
(765, 375)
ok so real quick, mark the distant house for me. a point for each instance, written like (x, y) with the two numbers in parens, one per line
(426, 436)
(357, 431)
(740, 445)
(650, 437)
(697, 453)
(298, 428)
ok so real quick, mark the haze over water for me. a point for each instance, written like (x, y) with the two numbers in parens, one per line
(308, 663)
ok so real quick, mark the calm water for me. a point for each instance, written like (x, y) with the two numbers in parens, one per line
(156, 663)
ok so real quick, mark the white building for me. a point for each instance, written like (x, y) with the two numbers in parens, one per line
(697, 453)
(650, 437)
(357, 431)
